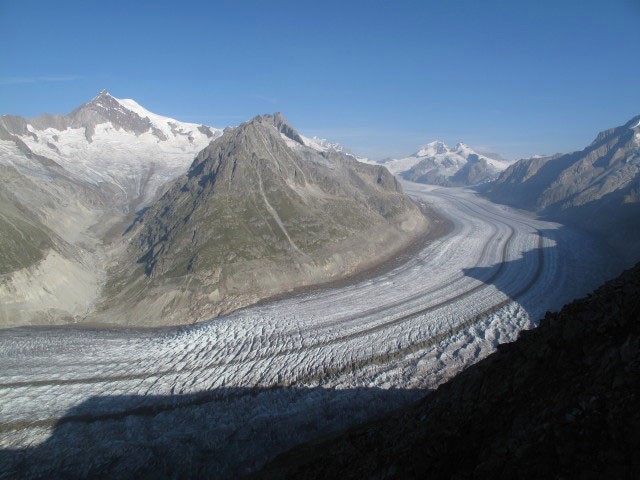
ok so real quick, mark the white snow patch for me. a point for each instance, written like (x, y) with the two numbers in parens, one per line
(290, 143)
(138, 164)
(161, 122)
(324, 145)
(311, 144)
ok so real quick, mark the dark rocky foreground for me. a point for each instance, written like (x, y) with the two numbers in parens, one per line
(560, 402)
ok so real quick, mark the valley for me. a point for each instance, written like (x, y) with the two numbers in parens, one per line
(292, 369)
(264, 240)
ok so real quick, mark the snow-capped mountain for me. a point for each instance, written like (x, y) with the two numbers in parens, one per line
(67, 181)
(322, 144)
(437, 163)
(114, 141)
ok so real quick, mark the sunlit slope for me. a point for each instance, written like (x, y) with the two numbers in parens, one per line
(259, 212)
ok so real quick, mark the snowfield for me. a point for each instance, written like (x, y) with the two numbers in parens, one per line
(242, 388)
(449, 159)
(139, 163)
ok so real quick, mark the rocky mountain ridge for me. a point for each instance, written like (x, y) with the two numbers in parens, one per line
(597, 188)
(260, 211)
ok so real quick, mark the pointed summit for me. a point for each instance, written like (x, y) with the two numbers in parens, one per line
(432, 148)
(102, 95)
(260, 212)
(281, 124)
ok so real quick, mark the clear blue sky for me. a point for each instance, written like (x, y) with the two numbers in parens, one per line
(382, 78)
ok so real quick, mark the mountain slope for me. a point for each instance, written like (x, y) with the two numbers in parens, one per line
(23, 238)
(259, 212)
(49, 258)
(68, 180)
(560, 402)
(597, 188)
(438, 164)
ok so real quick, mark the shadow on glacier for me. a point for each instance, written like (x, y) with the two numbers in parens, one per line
(586, 264)
(222, 433)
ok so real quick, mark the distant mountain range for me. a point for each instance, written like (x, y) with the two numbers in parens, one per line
(597, 188)
(438, 164)
(288, 207)
(113, 208)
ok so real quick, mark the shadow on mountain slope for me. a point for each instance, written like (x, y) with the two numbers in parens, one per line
(585, 265)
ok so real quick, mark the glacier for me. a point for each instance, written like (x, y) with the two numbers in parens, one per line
(255, 382)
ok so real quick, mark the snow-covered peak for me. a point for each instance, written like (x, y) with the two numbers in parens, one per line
(324, 145)
(432, 148)
(464, 149)
(168, 126)
(439, 162)
(116, 141)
